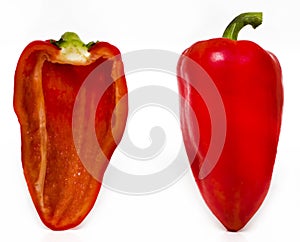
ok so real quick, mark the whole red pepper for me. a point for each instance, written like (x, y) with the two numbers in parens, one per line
(48, 77)
(249, 81)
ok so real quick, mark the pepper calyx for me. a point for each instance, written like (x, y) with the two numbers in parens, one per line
(72, 48)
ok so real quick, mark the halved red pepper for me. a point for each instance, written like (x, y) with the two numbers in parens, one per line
(249, 81)
(48, 77)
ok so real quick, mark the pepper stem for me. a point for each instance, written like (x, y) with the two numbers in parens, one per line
(72, 49)
(233, 29)
(71, 39)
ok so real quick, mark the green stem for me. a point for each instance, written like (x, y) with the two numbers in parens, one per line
(71, 40)
(233, 29)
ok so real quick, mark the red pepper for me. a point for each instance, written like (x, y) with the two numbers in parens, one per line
(249, 81)
(48, 77)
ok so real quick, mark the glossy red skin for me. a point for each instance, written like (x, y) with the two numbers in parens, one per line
(65, 192)
(249, 81)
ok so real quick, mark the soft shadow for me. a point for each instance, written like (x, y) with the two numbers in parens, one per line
(233, 237)
(61, 236)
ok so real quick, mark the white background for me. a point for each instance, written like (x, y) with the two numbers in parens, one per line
(178, 212)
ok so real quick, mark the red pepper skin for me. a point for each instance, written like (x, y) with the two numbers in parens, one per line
(46, 85)
(249, 81)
